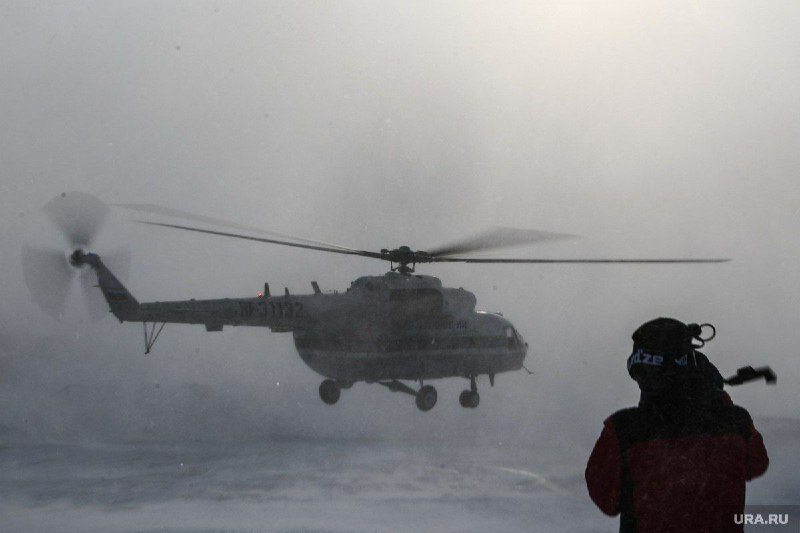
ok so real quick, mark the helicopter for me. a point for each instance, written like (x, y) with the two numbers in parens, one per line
(388, 329)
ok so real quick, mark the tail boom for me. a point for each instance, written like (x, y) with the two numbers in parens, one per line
(283, 313)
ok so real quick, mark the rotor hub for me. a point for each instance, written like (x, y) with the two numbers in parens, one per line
(76, 258)
(403, 257)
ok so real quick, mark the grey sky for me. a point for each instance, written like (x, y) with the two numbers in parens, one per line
(650, 128)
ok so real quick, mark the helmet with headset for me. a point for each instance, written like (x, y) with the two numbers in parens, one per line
(665, 353)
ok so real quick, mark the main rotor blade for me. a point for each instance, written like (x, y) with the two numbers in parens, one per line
(177, 213)
(79, 216)
(497, 237)
(48, 277)
(545, 261)
(362, 253)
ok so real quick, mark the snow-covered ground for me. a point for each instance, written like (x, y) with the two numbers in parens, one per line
(306, 485)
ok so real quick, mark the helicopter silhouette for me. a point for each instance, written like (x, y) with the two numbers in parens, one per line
(400, 326)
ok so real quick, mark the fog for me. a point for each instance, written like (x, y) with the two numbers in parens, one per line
(650, 130)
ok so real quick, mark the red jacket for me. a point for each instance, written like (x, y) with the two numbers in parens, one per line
(675, 466)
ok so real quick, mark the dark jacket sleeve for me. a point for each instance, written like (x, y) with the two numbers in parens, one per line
(604, 471)
(757, 458)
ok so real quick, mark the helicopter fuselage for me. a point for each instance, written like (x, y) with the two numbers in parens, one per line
(399, 326)
(390, 327)
(395, 326)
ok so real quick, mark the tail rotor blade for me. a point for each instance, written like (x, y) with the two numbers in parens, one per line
(48, 276)
(79, 216)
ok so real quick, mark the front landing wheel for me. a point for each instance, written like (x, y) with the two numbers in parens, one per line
(329, 391)
(426, 398)
(469, 399)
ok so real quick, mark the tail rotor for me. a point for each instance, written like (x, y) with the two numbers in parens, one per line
(50, 272)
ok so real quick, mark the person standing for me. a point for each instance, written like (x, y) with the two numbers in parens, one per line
(678, 462)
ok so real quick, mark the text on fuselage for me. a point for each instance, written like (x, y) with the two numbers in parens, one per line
(270, 308)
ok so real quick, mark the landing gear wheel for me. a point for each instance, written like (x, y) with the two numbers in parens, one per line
(329, 391)
(426, 398)
(469, 399)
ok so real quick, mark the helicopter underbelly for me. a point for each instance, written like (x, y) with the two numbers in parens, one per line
(411, 364)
